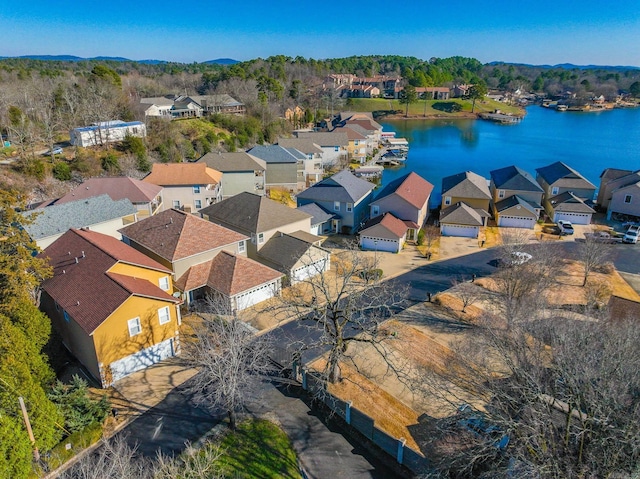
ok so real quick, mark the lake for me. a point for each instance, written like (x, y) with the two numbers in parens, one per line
(587, 142)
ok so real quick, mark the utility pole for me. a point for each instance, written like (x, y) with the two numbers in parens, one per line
(25, 415)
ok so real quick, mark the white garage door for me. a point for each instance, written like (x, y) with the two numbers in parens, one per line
(575, 218)
(516, 222)
(308, 271)
(379, 244)
(246, 300)
(140, 360)
(458, 230)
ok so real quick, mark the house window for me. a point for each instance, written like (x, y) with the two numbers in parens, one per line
(135, 130)
(134, 326)
(67, 318)
(197, 204)
(375, 210)
(176, 203)
(336, 206)
(500, 193)
(241, 247)
(627, 198)
(356, 142)
(163, 315)
(554, 190)
(196, 190)
(447, 200)
(349, 207)
(163, 283)
(260, 238)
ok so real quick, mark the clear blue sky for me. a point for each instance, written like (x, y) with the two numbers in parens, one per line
(538, 32)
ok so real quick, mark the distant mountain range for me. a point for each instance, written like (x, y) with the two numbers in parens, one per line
(73, 58)
(570, 66)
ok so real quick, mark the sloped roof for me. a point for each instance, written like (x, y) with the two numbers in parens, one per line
(182, 174)
(466, 185)
(305, 145)
(343, 186)
(58, 218)
(411, 187)
(327, 139)
(613, 173)
(175, 235)
(235, 161)
(462, 214)
(352, 133)
(388, 222)
(276, 154)
(558, 170)
(318, 214)
(228, 274)
(516, 201)
(286, 250)
(84, 288)
(514, 178)
(569, 203)
(117, 187)
(305, 236)
(252, 213)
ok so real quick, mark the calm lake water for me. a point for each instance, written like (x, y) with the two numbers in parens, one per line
(588, 142)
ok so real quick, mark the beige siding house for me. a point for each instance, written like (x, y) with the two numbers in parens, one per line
(240, 172)
(467, 187)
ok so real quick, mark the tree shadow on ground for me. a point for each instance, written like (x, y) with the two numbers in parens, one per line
(447, 106)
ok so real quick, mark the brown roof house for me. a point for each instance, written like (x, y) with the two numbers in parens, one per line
(113, 306)
(189, 246)
(406, 198)
(385, 232)
(187, 186)
(567, 194)
(146, 198)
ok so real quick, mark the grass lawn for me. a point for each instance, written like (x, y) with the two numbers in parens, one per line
(259, 448)
(434, 108)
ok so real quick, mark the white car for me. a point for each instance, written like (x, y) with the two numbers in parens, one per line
(566, 228)
(631, 236)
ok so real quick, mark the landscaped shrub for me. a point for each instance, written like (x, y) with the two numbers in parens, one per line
(420, 239)
(110, 163)
(61, 171)
(78, 409)
(371, 274)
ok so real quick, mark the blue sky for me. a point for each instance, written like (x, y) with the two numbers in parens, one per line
(538, 32)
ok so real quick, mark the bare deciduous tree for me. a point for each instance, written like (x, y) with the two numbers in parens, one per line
(592, 253)
(468, 293)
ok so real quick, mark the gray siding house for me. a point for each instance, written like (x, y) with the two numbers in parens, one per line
(343, 194)
(619, 192)
(282, 165)
(516, 197)
(564, 186)
(240, 172)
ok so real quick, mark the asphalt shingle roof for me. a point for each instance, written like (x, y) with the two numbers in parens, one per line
(515, 200)
(558, 170)
(411, 187)
(318, 214)
(387, 221)
(285, 250)
(569, 203)
(252, 213)
(514, 178)
(466, 185)
(326, 139)
(276, 154)
(305, 145)
(343, 187)
(182, 174)
(117, 187)
(462, 214)
(235, 161)
(57, 219)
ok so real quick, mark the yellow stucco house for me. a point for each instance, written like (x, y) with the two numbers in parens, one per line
(113, 306)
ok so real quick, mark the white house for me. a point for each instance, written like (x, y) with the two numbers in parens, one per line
(106, 132)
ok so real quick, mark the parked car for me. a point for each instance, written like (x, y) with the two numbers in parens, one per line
(57, 150)
(631, 236)
(566, 228)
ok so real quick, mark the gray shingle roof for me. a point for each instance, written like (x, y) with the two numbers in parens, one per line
(514, 178)
(569, 203)
(466, 185)
(231, 162)
(276, 154)
(516, 200)
(558, 170)
(318, 214)
(57, 219)
(247, 212)
(462, 214)
(305, 145)
(286, 250)
(343, 187)
(326, 139)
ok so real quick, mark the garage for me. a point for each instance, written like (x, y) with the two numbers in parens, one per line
(459, 230)
(140, 360)
(310, 270)
(575, 218)
(379, 244)
(516, 222)
(255, 296)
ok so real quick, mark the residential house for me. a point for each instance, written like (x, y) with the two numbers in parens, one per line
(257, 217)
(187, 186)
(98, 213)
(183, 106)
(385, 232)
(360, 91)
(406, 198)
(313, 169)
(467, 187)
(433, 93)
(516, 197)
(323, 221)
(334, 145)
(617, 191)
(357, 144)
(241, 171)
(145, 197)
(285, 166)
(112, 306)
(459, 91)
(557, 179)
(343, 194)
(460, 219)
(190, 246)
(297, 255)
(106, 132)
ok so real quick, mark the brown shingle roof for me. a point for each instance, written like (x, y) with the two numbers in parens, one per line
(228, 274)
(181, 174)
(175, 235)
(387, 221)
(117, 188)
(412, 188)
(81, 284)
